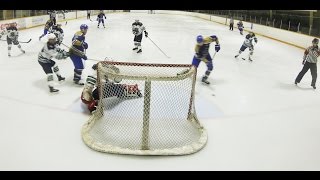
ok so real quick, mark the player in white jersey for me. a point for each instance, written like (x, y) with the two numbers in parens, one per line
(248, 43)
(137, 30)
(12, 37)
(52, 15)
(49, 51)
(57, 30)
(112, 87)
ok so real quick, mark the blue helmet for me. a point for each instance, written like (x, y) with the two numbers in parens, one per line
(83, 26)
(199, 39)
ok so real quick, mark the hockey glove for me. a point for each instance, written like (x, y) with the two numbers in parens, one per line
(84, 57)
(217, 47)
(303, 62)
(146, 34)
(85, 45)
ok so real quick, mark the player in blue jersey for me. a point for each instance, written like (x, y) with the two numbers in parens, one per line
(240, 27)
(100, 18)
(77, 53)
(202, 54)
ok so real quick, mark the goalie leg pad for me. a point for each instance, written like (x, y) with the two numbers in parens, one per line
(92, 106)
(131, 91)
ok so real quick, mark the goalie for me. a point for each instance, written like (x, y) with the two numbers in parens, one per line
(111, 88)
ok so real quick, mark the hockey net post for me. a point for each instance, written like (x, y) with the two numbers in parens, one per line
(161, 121)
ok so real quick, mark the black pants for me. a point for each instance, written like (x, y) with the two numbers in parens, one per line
(138, 38)
(231, 26)
(306, 67)
(88, 16)
(47, 67)
(110, 90)
(54, 21)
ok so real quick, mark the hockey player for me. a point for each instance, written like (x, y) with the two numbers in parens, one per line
(47, 28)
(77, 53)
(12, 37)
(310, 62)
(202, 54)
(100, 18)
(137, 30)
(240, 27)
(49, 51)
(57, 30)
(90, 95)
(52, 16)
(248, 43)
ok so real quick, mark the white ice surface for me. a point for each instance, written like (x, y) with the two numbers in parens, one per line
(256, 118)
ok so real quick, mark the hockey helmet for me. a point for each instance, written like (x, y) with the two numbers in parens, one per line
(199, 39)
(52, 39)
(315, 41)
(51, 36)
(83, 26)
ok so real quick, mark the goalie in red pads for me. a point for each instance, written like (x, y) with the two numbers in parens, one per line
(112, 88)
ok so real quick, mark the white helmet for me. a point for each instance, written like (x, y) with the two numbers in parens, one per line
(51, 36)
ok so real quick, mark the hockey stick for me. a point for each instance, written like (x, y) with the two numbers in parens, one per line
(80, 52)
(158, 47)
(214, 54)
(19, 41)
(26, 41)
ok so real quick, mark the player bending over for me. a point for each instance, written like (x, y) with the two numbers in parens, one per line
(90, 95)
(202, 54)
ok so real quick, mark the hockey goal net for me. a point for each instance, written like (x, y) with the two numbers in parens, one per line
(154, 116)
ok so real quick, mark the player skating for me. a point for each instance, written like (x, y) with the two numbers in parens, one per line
(202, 54)
(240, 27)
(137, 30)
(77, 53)
(58, 31)
(12, 34)
(249, 42)
(47, 28)
(100, 19)
(49, 51)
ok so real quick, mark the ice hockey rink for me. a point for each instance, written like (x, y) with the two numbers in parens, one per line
(256, 118)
